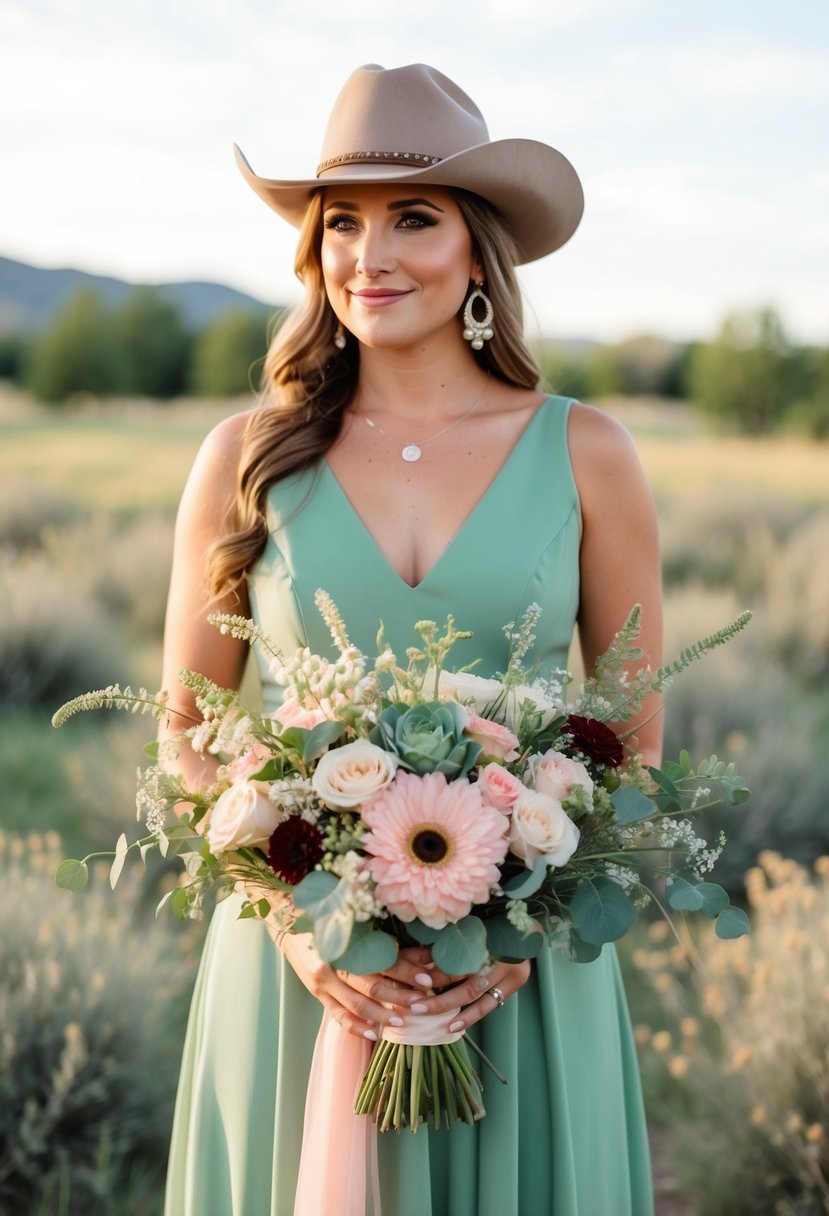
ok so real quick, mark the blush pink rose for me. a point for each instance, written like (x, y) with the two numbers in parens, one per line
(555, 774)
(291, 713)
(499, 788)
(495, 739)
(246, 765)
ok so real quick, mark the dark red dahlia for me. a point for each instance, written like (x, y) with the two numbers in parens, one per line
(294, 849)
(595, 740)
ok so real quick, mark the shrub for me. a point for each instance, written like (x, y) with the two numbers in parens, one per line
(53, 642)
(743, 1041)
(91, 1034)
(29, 513)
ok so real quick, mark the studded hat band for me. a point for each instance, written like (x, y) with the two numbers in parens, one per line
(377, 158)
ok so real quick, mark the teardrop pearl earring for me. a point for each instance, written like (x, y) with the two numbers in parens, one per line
(477, 332)
(339, 336)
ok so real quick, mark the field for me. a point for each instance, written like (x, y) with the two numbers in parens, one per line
(87, 500)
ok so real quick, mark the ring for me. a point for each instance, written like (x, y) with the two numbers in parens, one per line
(498, 994)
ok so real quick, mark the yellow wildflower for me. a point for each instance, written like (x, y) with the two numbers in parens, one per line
(689, 1027)
(741, 1056)
(678, 1067)
(661, 1041)
(758, 1115)
(642, 1035)
(814, 1133)
(659, 930)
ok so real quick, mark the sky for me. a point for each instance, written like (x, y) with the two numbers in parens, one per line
(700, 131)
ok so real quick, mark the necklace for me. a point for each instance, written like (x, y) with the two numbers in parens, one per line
(413, 451)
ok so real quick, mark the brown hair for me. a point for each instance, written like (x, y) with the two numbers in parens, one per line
(307, 383)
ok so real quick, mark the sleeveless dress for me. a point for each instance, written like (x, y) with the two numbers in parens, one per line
(567, 1135)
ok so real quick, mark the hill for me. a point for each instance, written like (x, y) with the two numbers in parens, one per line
(30, 295)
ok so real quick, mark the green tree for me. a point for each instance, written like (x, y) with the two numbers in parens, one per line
(153, 345)
(77, 353)
(226, 355)
(742, 379)
(13, 351)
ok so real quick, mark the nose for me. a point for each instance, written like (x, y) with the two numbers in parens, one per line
(374, 256)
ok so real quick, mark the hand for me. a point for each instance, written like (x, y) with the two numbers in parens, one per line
(474, 993)
(363, 1004)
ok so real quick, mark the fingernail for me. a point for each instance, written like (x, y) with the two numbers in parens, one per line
(425, 980)
(419, 1008)
(453, 1026)
(396, 1021)
(369, 1034)
(429, 966)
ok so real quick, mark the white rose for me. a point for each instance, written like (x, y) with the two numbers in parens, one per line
(525, 692)
(555, 774)
(348, 776)
(539, 826)
(243, 817)
(463, 686)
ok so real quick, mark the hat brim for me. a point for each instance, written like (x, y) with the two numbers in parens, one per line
(533, 186)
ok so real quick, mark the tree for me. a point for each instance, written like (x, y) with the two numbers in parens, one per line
(77, 353)
(741, 379)
(226, 355)
(153, 346)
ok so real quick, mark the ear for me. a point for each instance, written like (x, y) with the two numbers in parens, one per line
(476, 271)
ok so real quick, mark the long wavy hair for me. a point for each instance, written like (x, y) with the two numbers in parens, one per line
(307, 383)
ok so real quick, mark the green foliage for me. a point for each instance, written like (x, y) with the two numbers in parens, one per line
(742, 380)
(91, 1036)
(77, 353)
(153, 346)
(14, 350)
(228, 354)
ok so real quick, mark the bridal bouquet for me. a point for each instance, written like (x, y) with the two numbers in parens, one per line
(385, 805)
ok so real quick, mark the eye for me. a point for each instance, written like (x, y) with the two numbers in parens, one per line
(415, 220)
(340, 222)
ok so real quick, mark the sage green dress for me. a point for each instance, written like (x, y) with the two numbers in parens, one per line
(566, 1136)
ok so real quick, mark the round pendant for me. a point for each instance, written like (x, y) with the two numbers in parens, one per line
(411, 452)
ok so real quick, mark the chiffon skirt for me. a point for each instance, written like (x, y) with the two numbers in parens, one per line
(565, 1137)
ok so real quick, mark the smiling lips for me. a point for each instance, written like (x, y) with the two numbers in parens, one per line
(378, 297)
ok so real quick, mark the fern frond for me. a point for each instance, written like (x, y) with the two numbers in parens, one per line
(113, 697)
(246, 631)
(690, 654)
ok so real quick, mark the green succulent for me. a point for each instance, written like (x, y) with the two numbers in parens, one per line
(428, 738)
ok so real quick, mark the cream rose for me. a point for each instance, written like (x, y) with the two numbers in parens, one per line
(499, 788)
(495, 739)
(243, 817)
(525, 692)
(539, 826)
(463, 686)
(349, 776)
(555, 774)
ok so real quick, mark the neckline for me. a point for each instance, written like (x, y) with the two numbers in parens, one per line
(455, 538)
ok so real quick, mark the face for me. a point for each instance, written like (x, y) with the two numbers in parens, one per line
(396, 261)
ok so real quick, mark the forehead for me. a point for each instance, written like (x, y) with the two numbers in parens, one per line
(367, 195)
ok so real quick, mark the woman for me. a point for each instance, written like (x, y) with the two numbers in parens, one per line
(405, 460)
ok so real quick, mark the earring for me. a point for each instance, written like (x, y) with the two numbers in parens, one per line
(478, 332)
(339, 336)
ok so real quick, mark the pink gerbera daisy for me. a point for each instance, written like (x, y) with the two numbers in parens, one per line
(434, 847)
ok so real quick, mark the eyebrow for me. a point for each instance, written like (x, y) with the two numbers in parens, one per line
(397, 206)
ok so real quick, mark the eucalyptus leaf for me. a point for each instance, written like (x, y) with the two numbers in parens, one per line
(180, 902)
(683, 895)
(150, 750)
(368, 951)
(732, 922)
(528, 882)
(247, 911)
(145, 847)
(503, 939)
(670, 799)
(315, 893)
(582, 951)
(460, 949)
(162, 903)
(714, 898)
(631, 805)
(672, 770)
(685, 763)
(332, 933)
(423, 934)
(736, 790)
(72, 875)
(118, 861)
(601, 911)
(320, 739)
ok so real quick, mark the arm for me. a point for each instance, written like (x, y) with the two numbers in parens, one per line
(619, 560)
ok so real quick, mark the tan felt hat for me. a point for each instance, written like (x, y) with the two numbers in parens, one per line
(414, 124)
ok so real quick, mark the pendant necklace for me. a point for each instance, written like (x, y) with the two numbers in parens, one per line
(413, 451)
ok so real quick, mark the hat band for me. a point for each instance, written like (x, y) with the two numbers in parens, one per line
(377, 158)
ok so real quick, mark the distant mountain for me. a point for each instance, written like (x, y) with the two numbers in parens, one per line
(30, 295)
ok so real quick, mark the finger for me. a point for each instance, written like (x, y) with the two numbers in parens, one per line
(367, 999)
(463, 993)
(502, 983)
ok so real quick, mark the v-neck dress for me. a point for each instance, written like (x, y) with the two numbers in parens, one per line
(566, 1136)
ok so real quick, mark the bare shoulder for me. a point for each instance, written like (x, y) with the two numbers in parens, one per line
(215, 468)
(603, 455)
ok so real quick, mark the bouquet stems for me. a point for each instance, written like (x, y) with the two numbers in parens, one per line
(406, 1085)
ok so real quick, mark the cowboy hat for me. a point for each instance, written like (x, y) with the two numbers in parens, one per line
(413, 124)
